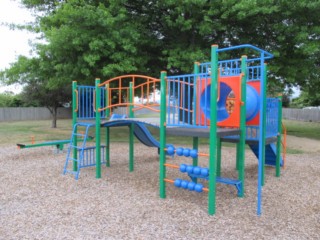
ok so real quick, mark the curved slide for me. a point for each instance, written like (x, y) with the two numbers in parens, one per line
(140, 130)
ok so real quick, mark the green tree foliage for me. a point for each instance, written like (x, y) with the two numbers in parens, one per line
(42, 86)
(88, 39)
(8, 99)
(306, 100)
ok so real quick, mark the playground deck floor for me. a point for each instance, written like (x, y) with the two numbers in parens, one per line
(38, 202)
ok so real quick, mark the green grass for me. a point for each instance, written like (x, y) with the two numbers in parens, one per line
(303, 129)
(21, 132)
(294, 151)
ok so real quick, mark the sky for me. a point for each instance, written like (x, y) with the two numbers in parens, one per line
(13, 43)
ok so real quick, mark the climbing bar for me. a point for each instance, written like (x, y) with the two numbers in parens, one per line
(203, 154)
(168, 180)
(171, 165)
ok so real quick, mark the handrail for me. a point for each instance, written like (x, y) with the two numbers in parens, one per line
(268, 55)
(129, 76)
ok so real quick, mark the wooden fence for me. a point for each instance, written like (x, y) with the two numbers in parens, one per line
(31, 113)
(306, 115)
(41, 113)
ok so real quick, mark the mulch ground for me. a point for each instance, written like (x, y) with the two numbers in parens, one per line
(38, 202)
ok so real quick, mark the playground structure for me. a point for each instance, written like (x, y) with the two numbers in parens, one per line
(191, 105)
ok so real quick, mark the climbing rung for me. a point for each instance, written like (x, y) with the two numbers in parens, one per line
(72, 172)
(72, 159)
(228, 181)
(79, 135)
(85, 124)
(76, 147)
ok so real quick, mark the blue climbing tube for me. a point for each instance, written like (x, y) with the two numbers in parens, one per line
(252, 102)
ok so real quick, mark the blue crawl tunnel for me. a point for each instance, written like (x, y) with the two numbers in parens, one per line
(252, 102)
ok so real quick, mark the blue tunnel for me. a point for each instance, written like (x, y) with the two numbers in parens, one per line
(252, 102)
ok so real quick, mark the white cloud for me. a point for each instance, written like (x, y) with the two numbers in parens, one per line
(13, 42)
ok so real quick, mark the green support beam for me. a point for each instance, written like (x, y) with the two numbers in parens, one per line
(74, 121)
(98, 122)
(131, 129)
(213, 131)
(107, 128)
(278, 168)
(242, 138)
(195, 140)
(163, 113)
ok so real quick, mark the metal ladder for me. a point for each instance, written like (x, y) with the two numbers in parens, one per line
(80, 146)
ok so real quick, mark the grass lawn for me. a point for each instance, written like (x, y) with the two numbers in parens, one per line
(22, 132)
(303, 129)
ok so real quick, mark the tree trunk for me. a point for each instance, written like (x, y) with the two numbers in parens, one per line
(54, 118)
(54, 114)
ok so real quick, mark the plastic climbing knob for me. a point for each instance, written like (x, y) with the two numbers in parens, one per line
(177, 182)
(170, 150)
(186, 152)
(197, 170)
(184, 184)
(183, 167)
(179, 151)
(191, 186)
(204, 172)
(198, 187)
(193, 153)
(189, 169)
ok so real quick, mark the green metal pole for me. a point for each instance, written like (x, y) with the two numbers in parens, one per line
(213, 131)
(242, 138)
(163, 113)
(195, 140)
(98, 122)
(219, 146)
(107, 128)
(74, 121)
(131, 139)
(279, 137)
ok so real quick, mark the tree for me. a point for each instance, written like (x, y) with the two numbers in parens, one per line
(8, 99)
(88, 39)
(306, 100)
(41, 88)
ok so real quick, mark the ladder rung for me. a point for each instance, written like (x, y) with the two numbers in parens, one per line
(76, 147)
(70, 171)
(72, 159)
(79, 135)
